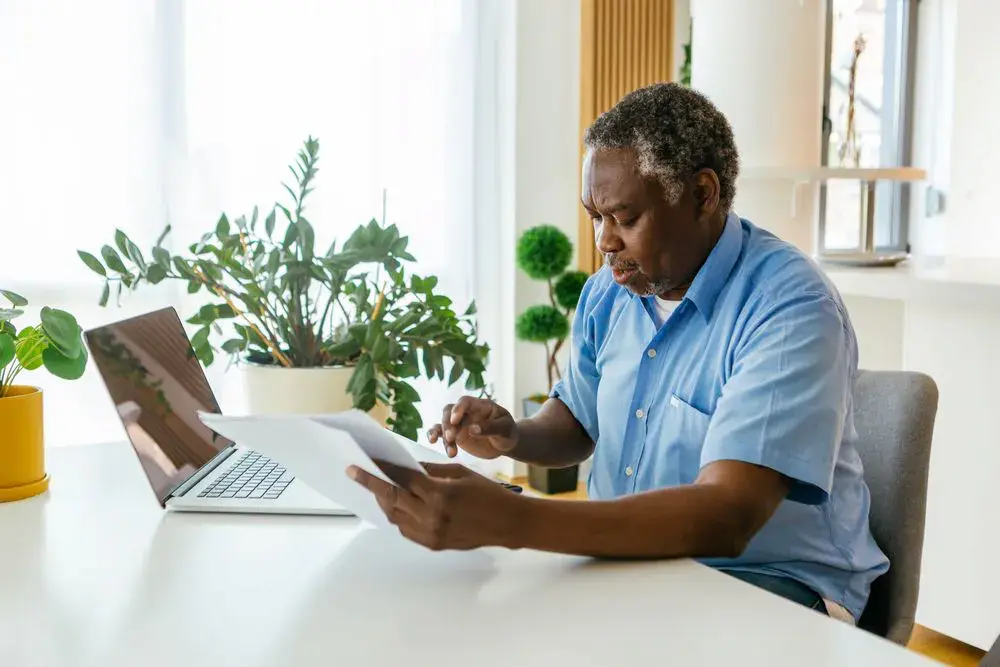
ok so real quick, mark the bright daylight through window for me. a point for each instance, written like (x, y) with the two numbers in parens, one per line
(868, 110)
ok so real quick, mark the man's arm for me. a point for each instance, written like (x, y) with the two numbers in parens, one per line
(552, 437)
(717, 516)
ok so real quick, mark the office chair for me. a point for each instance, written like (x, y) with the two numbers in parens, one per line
(894, 414)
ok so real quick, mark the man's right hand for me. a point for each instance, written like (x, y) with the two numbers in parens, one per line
(479, 426)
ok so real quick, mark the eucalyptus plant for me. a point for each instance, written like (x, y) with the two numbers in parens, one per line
(56, 343)
(274, 299)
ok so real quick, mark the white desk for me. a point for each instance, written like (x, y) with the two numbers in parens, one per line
(95, 574)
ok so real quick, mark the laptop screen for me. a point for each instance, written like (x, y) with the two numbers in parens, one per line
(157, 386)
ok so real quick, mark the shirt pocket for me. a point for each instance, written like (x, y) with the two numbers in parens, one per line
(684, 430)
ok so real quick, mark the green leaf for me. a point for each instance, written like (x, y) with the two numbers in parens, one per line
(136, 255)
(62, 329)
(380, 350)
(200, 338)
(457, 369)
(344, 350)
(7, 350)
(105, 294)
(163, 235)
(183, 269)
(364, 375)
(62, 366)
(471, 310)
(161, 257)
(269, 223)
(155, 274)
(15, 299)
(112, 259)
(234, 345)
(222, 227)
(121, 241)
(291, 234)
(307, 238)
(31, 343)
(405, 392)
(92, 262)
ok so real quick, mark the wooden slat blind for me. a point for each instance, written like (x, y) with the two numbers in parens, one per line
(624, 45)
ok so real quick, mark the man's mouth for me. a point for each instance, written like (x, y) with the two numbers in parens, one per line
(623, 275)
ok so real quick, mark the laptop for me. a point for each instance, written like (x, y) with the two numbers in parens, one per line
(157, 386)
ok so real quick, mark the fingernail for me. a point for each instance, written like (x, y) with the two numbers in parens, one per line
(352, 472)
(476, 429)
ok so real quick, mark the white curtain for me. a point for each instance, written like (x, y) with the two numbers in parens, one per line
(133, 113)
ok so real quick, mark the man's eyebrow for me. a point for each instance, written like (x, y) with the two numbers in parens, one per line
(617, 208)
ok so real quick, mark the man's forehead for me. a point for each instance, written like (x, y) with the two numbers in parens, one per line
(611, 173)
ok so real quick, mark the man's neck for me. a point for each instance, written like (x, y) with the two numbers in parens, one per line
(718, 225)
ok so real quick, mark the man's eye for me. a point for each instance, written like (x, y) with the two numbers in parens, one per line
(627, 223)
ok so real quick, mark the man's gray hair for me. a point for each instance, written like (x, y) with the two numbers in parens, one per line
(675, 131)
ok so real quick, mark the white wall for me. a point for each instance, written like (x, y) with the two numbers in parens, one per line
(528, 100)
(547, 186)
(957, 137)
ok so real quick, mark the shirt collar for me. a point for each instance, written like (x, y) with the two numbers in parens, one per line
(714, 273)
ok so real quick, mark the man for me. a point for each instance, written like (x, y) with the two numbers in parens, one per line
(711, 378)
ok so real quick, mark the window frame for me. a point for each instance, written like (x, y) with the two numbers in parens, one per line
(892, 222)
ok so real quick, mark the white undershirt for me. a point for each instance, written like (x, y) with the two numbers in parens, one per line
(664, 309)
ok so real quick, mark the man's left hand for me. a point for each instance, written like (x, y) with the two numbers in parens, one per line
(451, 507)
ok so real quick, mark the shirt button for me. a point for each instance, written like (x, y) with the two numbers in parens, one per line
(629, 471)
(650, 353)
(639, 413)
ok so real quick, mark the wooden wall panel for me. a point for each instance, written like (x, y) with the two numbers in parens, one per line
(624, 45)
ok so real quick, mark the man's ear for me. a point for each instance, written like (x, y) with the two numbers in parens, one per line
(706, 190)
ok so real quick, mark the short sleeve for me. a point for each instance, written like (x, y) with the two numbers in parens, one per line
(786, 400)
(578, 387)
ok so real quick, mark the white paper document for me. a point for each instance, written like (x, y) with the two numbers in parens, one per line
(318, 449)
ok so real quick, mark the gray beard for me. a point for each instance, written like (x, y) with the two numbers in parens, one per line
(653, 288)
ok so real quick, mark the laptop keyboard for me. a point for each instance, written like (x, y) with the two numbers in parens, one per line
(253, 476)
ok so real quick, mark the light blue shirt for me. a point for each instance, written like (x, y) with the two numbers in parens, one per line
(757, 364)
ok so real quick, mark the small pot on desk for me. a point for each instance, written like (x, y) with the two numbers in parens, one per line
(22, 444)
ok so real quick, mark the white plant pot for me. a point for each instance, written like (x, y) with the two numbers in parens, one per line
(278, 390)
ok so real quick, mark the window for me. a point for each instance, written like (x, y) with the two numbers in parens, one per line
(880, 36)
(135, 113)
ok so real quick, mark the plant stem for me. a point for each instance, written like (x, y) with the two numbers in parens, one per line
(555, 362)
(223, 292)
(552, 294)
(548, 364)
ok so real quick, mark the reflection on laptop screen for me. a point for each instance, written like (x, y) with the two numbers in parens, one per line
(157, 386)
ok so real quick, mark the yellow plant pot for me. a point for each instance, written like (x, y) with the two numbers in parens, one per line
(22, 445)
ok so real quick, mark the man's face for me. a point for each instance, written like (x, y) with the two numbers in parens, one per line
(652, 246)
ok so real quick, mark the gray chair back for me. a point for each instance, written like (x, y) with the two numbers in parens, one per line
(894, 415)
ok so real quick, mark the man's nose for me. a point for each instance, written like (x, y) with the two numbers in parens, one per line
(606, 239)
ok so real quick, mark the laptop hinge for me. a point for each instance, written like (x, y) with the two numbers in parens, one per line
(201, 473)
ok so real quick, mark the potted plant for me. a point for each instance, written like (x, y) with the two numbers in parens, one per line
(544, 253)
(55, 343)
(314, 329)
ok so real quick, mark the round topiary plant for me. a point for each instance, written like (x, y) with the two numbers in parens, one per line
(542, 323)
(544, 253)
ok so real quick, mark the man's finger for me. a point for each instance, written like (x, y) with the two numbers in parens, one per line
(413, 481)
(447, 470)
(388, 495)
(466, 407)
